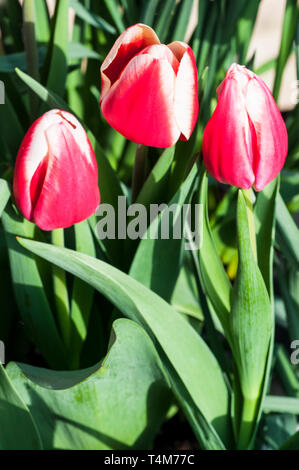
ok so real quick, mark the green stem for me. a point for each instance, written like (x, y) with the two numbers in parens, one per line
(247, 420)
(60, 291)
(140, 171)
(31, 49)
(248, 196)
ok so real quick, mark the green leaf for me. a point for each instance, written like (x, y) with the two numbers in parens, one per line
(164, 19)
(76, 50)
(276, 404)
(58, 49)
(200, 375)
(292, 443)
(277, 428)
(154, 186)
(83, 294)
(115, 13)
(42, 24)
(18, 430)
(157, 261)
(287, 233)
(264, 212)
(148, 14)
(287, 38)
(251, 325)
(29, 292)
(4, 195)
(117, 404)
(52, 100)
(9, 62)
(186, 8)
(11, 128)
(214, 278)
(91, 18)
(185, 296)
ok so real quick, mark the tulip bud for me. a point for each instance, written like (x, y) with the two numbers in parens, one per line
(245, 143)
(56, 177)
(150, 90)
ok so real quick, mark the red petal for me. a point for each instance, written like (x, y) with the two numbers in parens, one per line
(228, 139)
(129, 43)
(56, 177)
(140, 105)
(186, 89)
(271, 134)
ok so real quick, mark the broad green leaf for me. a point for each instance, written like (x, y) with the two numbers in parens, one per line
(91, 18)
(192, 361)
(214, 278)
(18, 430)
(251, 325)
(185, 296)
(4, 195)
(104, 407)
(30, 294)
(83, 294)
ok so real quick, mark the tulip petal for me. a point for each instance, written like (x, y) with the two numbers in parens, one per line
(129, 43)
(56, 178)
(32, 152)
(186, 90)
(229, 138)
(140, 105)
(160, 51)
(271, 134)
(69, 192)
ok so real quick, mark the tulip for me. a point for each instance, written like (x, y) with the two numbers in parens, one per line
(245, 143)
(150, 90)
(56, 178)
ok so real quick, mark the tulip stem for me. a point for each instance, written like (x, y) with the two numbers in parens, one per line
(140, 171)
(248, 416)
(31, 49)
(248, 196)
(60, 291)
